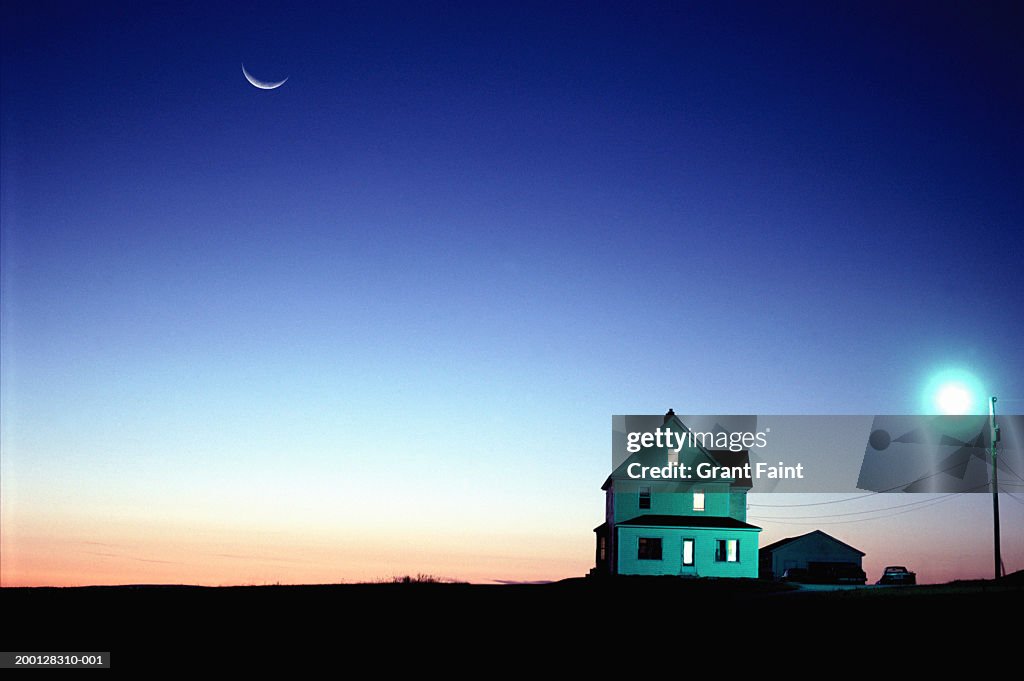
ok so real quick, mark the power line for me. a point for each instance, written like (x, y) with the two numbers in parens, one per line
(922, 503)
(936, 502)
(817, 503)
(873, 510)
(1007, 467)
(862, 496)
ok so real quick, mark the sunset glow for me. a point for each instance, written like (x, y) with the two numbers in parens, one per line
(373, 319)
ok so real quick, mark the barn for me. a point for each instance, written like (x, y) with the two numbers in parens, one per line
(816, 553)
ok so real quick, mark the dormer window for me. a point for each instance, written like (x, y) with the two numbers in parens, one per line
(645, 497)
(698, 500)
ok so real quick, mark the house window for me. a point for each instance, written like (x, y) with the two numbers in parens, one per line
(645, 497)
(687, 552)
(602, 546)
(727, 550)
(649, 548)
(698, 500)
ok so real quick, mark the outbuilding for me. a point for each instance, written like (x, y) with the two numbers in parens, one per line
(815, 552)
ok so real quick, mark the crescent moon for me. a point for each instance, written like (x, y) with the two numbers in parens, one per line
(261, 84)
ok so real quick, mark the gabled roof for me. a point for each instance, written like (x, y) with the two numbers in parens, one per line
(650, 456)
(789, 540)
(696, 521)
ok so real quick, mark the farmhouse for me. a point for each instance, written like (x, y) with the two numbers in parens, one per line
(671, 525)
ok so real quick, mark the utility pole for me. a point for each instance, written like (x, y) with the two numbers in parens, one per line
(994, 437)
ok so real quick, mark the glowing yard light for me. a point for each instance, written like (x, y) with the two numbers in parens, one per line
(954, 392)
(953, 398)
(958, 392)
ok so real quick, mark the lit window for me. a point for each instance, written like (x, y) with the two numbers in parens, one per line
(645, 497)
(727, 550)
(687, 552)
(698, 500)
(649, 548)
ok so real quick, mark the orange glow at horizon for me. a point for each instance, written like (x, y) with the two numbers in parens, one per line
(197, 545)
(118, 553)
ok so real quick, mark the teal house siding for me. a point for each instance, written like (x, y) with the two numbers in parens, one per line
(671, 563)
(738, 506)
(648, 521)
(673, 498)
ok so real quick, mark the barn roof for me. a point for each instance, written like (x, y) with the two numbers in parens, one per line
(789, 540)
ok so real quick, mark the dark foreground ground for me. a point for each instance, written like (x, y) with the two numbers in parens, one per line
(161, 627)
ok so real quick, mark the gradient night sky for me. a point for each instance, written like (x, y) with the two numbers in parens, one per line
(375, 322)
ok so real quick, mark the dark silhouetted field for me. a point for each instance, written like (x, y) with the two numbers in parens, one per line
(179, 626)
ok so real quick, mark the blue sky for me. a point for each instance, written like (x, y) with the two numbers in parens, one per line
(461, 236)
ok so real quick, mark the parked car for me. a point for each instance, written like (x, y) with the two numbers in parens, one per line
(897, 574)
